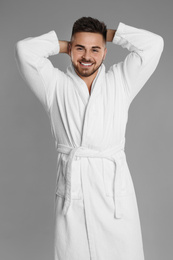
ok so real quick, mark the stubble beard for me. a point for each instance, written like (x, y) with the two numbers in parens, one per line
(86, 74)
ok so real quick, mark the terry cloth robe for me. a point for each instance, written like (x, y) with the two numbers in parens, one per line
(95, 203)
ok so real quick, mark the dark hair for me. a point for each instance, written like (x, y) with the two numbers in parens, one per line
(89, 24)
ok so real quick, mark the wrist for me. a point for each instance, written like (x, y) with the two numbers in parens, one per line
(110, 35)
(64, 46)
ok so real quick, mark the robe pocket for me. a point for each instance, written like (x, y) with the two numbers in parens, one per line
(109, 174)
(76, 187)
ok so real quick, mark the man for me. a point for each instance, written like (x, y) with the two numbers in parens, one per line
(96, 209)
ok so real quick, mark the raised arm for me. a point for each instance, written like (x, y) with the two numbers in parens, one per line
(36, 69)
(110, 35)
(64, 47)
(145, 50)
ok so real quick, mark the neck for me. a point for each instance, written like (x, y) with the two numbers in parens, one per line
(89, 80)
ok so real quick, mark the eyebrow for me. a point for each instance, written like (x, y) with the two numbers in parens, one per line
(93, 47)
(96, 47)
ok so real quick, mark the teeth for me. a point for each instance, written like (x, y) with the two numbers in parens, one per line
(86, 64)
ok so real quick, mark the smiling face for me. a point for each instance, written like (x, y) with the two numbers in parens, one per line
(87, 51)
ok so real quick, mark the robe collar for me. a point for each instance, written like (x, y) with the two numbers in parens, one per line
(81, 86)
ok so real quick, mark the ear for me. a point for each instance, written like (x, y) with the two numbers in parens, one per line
(69, 49)
(105, 52)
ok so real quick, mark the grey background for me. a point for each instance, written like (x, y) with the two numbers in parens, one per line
(27, 151)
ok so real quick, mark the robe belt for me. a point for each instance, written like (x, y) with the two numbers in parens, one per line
(81, 151)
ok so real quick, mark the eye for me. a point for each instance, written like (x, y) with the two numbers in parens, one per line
(79, 49)
(95, 50)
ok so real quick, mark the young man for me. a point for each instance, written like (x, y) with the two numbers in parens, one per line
(96, 210)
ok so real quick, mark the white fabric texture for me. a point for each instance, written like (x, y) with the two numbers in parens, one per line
(96, 209)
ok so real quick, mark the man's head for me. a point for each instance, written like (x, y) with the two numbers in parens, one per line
(88, 46)
(89, 24)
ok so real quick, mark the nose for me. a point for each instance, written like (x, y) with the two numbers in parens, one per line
(86, 55)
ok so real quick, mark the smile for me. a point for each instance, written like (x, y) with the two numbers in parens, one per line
(86, 64)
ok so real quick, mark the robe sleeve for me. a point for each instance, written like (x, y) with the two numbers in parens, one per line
(36, 69)
(145, 50)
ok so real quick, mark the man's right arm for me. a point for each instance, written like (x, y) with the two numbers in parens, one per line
(64, 47)
(36, 69)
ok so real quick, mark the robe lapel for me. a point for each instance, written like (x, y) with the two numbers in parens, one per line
(81, 86)
(89, 100)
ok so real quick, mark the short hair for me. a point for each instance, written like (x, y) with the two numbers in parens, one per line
(89, 24)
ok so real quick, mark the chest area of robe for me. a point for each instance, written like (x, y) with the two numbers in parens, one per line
(96, 120)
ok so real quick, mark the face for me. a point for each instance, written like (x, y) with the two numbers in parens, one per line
(87, 51)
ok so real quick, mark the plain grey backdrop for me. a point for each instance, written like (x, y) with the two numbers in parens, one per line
(27, 151)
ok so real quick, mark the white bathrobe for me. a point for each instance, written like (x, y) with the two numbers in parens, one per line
(96, 210)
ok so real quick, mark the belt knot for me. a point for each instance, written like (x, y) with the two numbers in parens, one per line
(81, 151)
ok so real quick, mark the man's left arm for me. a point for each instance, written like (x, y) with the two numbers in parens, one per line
(110, 35)
(145, 50)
